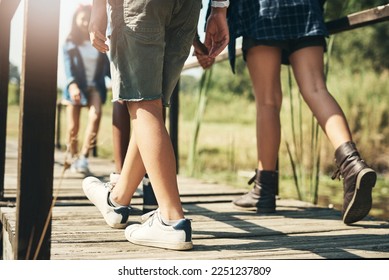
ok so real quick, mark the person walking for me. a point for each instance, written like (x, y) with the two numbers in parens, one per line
(150, 42)
(86, 70)
(277, 32)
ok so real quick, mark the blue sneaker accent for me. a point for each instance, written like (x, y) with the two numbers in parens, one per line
(185, 225)
(98, 193)
(124, 212)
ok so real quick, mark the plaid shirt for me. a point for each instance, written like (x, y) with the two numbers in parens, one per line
(274, 20)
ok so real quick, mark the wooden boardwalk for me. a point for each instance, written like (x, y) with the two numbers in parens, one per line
(297, 231)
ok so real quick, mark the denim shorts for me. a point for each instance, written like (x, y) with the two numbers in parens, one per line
(150, 42)
(288, 46)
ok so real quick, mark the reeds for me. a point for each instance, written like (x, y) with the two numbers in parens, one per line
(202, 103)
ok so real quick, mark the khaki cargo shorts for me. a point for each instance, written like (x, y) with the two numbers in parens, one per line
(150, 43)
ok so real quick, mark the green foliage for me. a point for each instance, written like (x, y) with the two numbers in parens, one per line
(364, 47)
(202, 103)
(188, 84)
(14, 75)
(364, 99)
(13, 94)
(13, 85)
(227, 82)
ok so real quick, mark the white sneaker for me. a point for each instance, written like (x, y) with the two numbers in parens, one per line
(98, 193)
(153, 232)
(80, 165)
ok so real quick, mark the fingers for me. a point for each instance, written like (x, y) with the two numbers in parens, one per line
(218, 45)
(204, 60)
(208, 41)
(217, 33)
(98, 41)
(214, 44)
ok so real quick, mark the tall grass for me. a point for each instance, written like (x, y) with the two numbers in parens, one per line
(202, 103)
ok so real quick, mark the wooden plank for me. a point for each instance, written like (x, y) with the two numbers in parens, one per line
(7, 10)
(350, 246)
(359, 19)
(37, 128)
(229, 234)
(297, 230)
(328, 244)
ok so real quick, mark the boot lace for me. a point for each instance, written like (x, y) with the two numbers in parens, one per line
(336, 174)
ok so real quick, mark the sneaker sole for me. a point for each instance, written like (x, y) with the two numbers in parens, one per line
(361, 202)
(117, 226)
(181, 246)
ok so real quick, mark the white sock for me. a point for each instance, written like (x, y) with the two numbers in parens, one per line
(114, 203)
(170, 222)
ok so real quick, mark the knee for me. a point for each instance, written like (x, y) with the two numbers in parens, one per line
(73, 130)
(95, 114)
(272, 102)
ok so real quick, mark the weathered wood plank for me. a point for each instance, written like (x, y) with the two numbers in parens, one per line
(37, 128)
(348, 245)
(359, 19)
(296, 231)
(7, 10)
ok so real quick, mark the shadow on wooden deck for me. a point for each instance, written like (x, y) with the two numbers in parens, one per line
(297, 230)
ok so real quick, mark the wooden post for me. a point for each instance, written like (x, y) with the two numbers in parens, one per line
(173, 121)
(58, 132)
(37, 130)
(7, 10)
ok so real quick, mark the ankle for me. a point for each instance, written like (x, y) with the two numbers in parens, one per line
(117, 201)
(171, 215)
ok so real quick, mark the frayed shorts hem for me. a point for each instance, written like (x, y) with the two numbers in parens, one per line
(164, 104)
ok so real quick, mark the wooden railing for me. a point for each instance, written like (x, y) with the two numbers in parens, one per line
(38, 110)
(37, 122)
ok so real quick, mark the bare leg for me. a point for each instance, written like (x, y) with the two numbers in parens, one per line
(359, 178)
(73, 126)
(132, 172)
(94, 117)
(264, 66)
(120, 133)
(308, 68)
(150, 145)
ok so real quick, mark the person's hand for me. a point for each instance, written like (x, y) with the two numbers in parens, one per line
(201, 53)
(98, 25)
(216, 32)
(75, 94)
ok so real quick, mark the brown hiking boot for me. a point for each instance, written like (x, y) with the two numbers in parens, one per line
(262, 196)
(358, 182)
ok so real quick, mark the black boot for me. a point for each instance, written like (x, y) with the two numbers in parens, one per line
(262, 197)
(358, 182)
